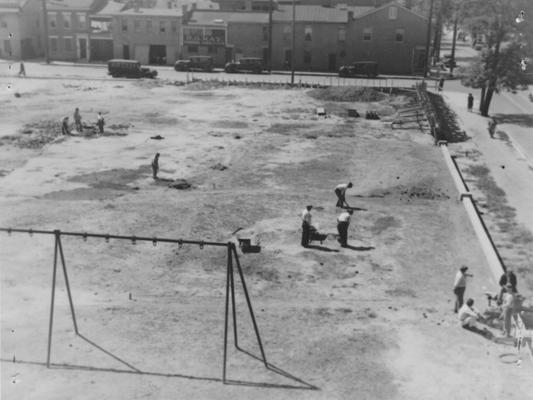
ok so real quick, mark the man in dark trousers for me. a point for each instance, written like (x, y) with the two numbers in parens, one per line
(155, 166)
(77, 120)
(470, 101)
(22, 70)
(508, 278)
(343, 222)
(340, 191)
(459, 287)
(100, 122)
(492, 127)
(441, 84)
(306, 226)
(64, 126)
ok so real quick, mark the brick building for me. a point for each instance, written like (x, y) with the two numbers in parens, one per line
(68, 28)
(392, 35)
(149, 33)
(246, 35)
(21, 26)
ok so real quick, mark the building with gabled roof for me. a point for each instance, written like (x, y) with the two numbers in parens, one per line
(21, 27)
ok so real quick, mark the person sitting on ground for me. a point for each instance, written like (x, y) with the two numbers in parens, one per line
(65, 130)
(468, 315)
(155, 166)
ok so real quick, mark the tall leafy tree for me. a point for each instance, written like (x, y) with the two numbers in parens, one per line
(499, 66)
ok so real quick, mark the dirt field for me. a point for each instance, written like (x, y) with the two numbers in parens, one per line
(373, 321)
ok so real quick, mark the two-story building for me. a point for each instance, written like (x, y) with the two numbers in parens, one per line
(246, 35)
(21, 26)
(392, 35)
(68, 28)
(151, 35)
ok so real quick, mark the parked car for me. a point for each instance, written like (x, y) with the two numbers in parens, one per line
(250, 64)
(129, 69)
(360, 68)
(448, 61)
(195, 63)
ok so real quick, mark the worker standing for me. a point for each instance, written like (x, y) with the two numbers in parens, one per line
(64, 126)
(508, 309)
(340, 191)
(100, 122)
(343, 222)
(77, 120)
(470, 102)
(492, 127)
(22, 70)
(306, 225)
(459, 287)
(155, 166)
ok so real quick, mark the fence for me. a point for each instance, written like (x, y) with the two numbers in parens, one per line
(431, 114)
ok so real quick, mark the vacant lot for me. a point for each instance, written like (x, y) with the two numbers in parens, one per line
(373, 321)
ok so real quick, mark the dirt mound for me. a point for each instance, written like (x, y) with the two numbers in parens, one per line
(34, 135)
(419, 191)
(362, 94)
(180, 184)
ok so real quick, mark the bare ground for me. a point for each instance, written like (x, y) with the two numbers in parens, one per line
(372, 321)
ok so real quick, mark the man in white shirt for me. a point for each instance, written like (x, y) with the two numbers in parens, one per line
(340, 191)
(343, 222)
(306, 225)
(459, 286)
(468, 315)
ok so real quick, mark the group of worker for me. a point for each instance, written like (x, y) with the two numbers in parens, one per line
(65, 126)
(507, 299)
(343, 220)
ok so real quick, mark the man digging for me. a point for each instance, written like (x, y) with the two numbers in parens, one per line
(340, 191)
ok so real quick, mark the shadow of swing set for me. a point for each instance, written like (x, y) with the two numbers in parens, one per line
(230, 294)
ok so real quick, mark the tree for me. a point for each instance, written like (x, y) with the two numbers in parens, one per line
(499, 66)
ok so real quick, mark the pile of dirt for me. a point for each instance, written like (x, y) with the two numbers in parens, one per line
(180, 184)
(219, 167)
(419, 191)
(34, 135)
(351, 93)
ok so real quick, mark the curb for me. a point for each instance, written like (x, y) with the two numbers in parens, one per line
(489, 249)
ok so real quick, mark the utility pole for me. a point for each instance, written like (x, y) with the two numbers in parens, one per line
(454, 40)
(270, 36)
(428, 38)
(293, 51)
(46, 45)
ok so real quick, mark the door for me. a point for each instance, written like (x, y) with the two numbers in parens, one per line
(83, 48)
(332, 62)
(288, 59)
(126, 52)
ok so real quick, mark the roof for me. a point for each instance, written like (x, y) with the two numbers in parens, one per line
(357, 10)
(12, 6)
(311, 14)
(374, 10)
(152, 12)
(207, 17)
(65, 5)
(111, 8)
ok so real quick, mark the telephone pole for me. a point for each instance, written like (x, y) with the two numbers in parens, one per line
(46, 45)
(270, 36)
(428, 39)
(293, 51)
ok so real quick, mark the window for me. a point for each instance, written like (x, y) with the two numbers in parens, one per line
(52, 20)
(265, 33)
(393, 12)
(211, 49)
(192, 49)
(307, 57)
(53, 44)
(367, 34)
(399, 35)
(149, 25)
(137, 25)
(342, 54)
(7, 46)
(68, 44)
(66, 20)
(82, 20)
(342, 35)
(124, 25)
(174, 26)
(308, 33)
(162, 26)
(3, 23)
(287, 33)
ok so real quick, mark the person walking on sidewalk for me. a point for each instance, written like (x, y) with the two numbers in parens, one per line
(441, 84)
(470, 102)
(343, 222)
(22, 70)
(306, 225)
(492, 127)
(459, 287)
